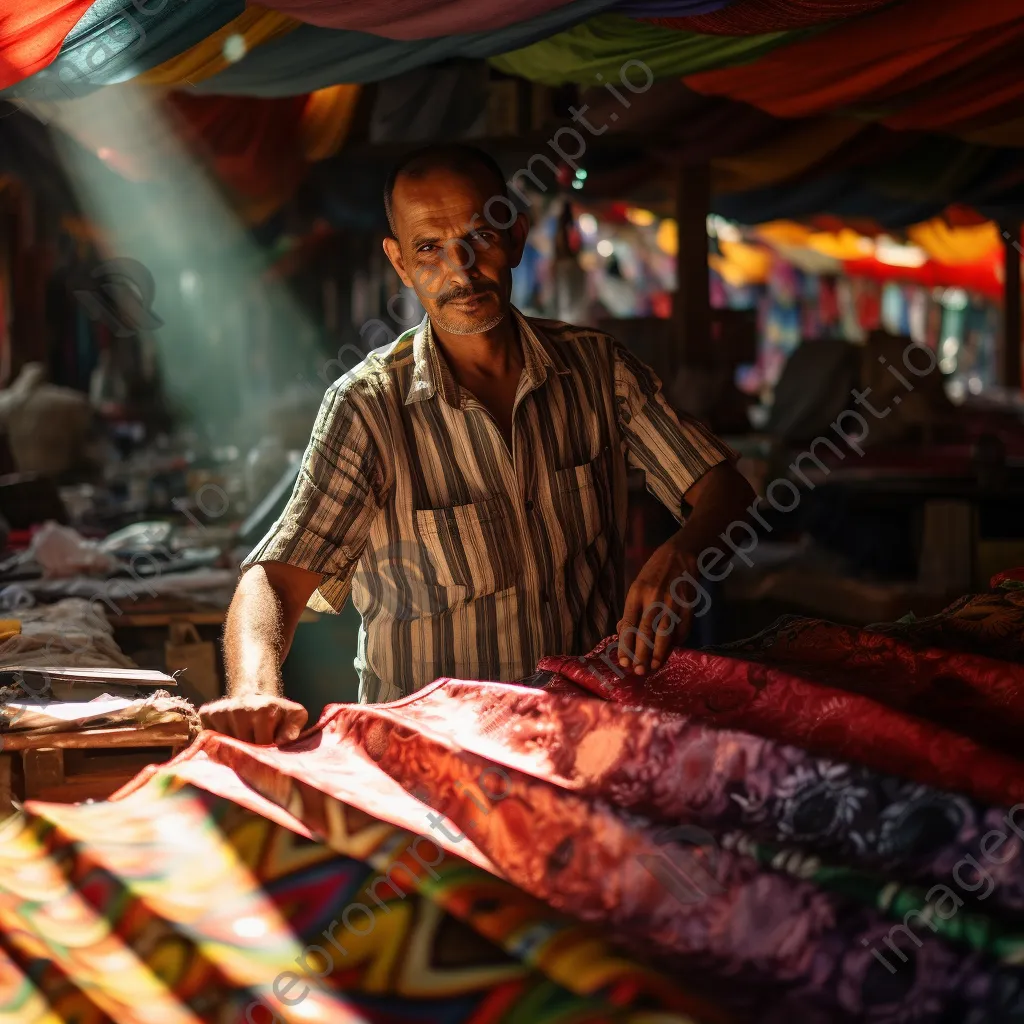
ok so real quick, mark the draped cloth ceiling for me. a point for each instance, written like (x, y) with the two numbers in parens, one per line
(945, 67)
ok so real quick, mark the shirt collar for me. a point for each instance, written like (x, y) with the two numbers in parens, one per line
(431, 373)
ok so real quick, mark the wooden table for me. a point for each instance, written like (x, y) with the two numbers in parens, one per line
(66, 767)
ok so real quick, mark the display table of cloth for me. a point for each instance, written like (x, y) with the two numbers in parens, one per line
(818, 824)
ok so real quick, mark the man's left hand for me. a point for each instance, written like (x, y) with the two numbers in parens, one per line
(655, 619)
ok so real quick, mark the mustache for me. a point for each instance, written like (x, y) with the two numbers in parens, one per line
(454, 294)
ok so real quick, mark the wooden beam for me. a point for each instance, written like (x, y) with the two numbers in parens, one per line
(163, 734)
(1010, 351)
(691, 304)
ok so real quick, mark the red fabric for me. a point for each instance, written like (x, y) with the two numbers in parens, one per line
(754, 17)
(989, 90)
(567, 798)
(984, 277)
(31, 34)
(252, 143)
(869, 58)
(874, 726)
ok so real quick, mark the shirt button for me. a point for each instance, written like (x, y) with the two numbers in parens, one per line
(529, 504)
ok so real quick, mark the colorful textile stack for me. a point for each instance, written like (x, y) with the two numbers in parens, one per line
(819, 824)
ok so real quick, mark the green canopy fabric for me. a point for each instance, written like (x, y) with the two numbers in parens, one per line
(604, 45)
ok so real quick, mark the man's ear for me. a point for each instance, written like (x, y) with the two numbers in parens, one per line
(517, 236)
(393, 251)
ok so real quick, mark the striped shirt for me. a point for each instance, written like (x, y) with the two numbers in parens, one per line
(463, 558)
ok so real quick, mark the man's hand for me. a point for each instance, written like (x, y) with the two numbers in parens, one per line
(255, 718)
(654, 620)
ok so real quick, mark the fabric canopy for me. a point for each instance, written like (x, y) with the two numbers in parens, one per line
(601, 47)
(31, 34)
(311, 58)
(808, 106)
(253, 27)
(115, 42)
(869, 59)
(750, 17)
(427, 19)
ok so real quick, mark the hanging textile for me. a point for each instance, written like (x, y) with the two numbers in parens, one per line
(753, 17)
(253, 27)
(312, 58)
(417, 19)
(602, 48)
(957, 245)
(866, 59)
(432, 104)
(31, 34)
(794, 149)
(326, 120)
(114, 41)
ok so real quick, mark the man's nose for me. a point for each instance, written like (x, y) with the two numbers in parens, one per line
(461, 261)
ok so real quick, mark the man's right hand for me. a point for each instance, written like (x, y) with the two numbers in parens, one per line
(255, 718)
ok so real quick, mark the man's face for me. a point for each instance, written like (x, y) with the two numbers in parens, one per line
(459, 265)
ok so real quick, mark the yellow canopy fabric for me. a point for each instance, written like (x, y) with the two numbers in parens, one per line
(742, 264)
(956, 245)
(207, 58)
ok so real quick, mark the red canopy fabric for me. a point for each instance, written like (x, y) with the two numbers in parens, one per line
(871, 58)
(31, 33)
(754, 17)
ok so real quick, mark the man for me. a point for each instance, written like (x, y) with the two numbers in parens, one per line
(467, 484)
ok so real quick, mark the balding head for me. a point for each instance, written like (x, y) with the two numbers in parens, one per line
(454, 158)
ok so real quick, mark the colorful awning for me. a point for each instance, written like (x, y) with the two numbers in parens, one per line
(941, 66)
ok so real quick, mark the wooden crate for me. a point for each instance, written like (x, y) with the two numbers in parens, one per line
(73, 766)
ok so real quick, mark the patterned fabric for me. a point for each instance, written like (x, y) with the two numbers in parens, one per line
(962, 669)
(464, 558)
(179, 906)
(486, 852)
(797, 887)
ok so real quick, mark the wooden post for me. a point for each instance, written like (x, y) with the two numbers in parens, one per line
(691, 304)
(1010, 355)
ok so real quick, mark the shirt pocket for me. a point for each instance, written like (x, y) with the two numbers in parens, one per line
(582, 496)
(470, 547)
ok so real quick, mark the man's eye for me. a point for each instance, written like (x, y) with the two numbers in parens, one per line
(427, 248)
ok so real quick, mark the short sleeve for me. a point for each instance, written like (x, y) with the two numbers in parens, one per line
(325, 525)
(673, 450)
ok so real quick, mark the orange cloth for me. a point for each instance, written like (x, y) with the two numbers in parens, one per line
(31, 34)
(955, 246)
(869, 58)
(254, 26)
(326, 120)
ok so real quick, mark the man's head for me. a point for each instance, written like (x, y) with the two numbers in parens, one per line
(456, 235)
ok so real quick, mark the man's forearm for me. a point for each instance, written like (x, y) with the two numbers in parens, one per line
(722, 497)
(256, 637)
